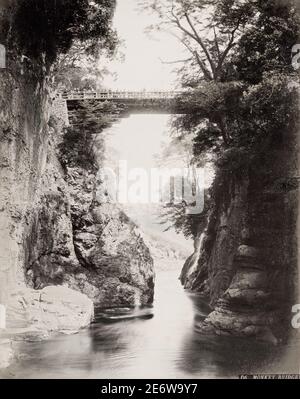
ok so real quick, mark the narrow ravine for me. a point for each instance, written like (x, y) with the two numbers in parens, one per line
(159, 341)
(119, 258)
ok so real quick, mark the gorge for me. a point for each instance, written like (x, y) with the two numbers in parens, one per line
(72, 260)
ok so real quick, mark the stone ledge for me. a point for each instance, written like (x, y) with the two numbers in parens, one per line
(53, 309)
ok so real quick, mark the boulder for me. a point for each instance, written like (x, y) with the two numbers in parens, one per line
(52, 309)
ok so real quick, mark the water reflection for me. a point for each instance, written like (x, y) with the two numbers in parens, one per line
(165, 344)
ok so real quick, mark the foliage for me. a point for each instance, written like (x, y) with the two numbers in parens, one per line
(175, 217)
(178, 153)
(253, 108)
(77, 70)
(208, 30)
(242, 100)
(83, 142)
(239, 116)
(267, 45)
(48, 28)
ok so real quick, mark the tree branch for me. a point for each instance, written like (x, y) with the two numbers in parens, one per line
(199, 40)
(176, 61)
(217, 44)
(230, 45)
(206, 72)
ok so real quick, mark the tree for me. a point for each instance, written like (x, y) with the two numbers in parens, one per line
(267, 44)
(241, 104)
(209, 30)
(48, 28)
(236, 108)
(201, 27)
(78, 70)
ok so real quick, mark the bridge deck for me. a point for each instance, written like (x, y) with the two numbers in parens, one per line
(119, 95)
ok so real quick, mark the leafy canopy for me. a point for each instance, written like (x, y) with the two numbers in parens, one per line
(50, 27)
(242, 99)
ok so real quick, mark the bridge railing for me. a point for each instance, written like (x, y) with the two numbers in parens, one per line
(118, 95)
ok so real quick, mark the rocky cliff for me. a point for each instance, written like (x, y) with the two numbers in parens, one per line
(58, 230)
(27, 183)
(90, 245)
(245, 261)
(54, 229)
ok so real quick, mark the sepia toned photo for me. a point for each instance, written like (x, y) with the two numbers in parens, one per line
(149, 192)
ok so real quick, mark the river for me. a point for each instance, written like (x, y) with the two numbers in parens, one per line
(161, 343)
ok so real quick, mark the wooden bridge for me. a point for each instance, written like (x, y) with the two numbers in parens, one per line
(118, 95)
(66, 103)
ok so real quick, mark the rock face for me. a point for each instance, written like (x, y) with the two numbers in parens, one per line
(118, 263)
(90, 245)
(245, 261)
(35, 314)
(24, 148)
(54, 230)
(67, 234)
(52, 309)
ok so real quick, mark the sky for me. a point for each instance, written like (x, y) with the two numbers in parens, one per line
(143, 67)
(137, 140)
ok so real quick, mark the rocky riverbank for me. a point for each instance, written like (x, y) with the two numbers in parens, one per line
(245, 260)
(62, 248)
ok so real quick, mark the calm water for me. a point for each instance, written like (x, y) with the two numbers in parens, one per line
(162, 344)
